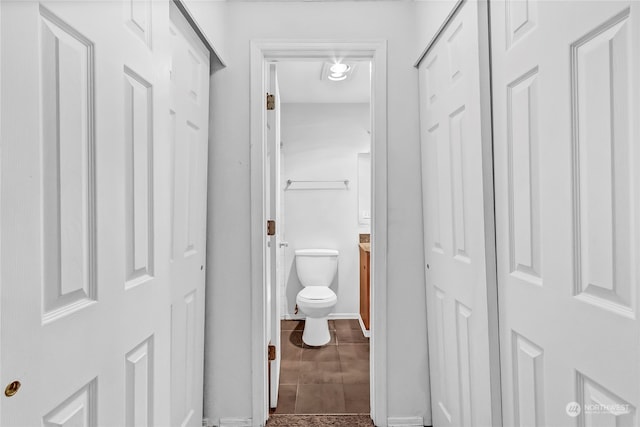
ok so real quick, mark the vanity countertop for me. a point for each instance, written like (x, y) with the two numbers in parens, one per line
(365, 246)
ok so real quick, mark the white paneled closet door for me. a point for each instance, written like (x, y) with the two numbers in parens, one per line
(188, 116)
(453, 181)
(566, 108)
(86, 215)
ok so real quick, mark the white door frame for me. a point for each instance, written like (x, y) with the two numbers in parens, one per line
(263, 51)
(486, 135)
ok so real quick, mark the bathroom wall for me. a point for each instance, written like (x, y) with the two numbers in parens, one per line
(322, 142)
(228, 388)
(364, 191)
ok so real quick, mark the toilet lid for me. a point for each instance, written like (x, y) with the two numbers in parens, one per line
(316, 293)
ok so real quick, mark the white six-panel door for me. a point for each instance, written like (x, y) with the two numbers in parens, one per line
(85, 216)
(452, 178)
(84, 291)
(188, 117)
(566, 107)
(274, 247)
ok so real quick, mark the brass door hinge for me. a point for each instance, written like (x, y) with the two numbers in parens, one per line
(271, 102)
(271, 352)
(271, 227)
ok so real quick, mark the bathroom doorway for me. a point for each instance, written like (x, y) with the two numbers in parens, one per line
(321, 127)
(318, 163)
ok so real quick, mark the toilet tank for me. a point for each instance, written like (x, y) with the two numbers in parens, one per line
(316, 267)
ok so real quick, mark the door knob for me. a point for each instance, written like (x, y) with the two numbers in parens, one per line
(284, 244)
(12, 388)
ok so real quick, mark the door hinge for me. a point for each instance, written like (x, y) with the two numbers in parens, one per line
(271, 102)
(271, 352)
(271, 227)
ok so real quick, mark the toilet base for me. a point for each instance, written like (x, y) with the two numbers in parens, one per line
(316, 331)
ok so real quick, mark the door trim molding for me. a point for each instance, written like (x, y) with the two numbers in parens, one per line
(406, 422)
(263, 51)
(233, 422)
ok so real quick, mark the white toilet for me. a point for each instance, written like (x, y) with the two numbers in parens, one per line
(316, 270)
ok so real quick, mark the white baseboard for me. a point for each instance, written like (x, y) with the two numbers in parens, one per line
(235, 422)
(332, 316)
(366, 332)
(405, 422)
(292, 317)
(343, 316)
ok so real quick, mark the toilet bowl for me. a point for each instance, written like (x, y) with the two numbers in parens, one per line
(316, 269)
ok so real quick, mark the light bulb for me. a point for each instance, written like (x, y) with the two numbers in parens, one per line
(339, 68)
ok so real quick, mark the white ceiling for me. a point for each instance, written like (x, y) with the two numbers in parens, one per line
(324, 1)
(300, 82)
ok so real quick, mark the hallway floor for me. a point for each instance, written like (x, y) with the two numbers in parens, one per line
(332, 379)
(299, 420)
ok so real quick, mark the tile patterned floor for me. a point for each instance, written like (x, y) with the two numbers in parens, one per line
(332, 379)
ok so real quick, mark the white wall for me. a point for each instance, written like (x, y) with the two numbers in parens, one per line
(228, 329)
(210, 17)
(322, 142)
(430, 15)
(364, 191)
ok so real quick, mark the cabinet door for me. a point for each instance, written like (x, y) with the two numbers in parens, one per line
(365, 292)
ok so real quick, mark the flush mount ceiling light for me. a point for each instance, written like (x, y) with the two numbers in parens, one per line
(339, 68)
(337, 71)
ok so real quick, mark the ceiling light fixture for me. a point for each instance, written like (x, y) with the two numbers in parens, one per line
(338, 72)
(339, 68)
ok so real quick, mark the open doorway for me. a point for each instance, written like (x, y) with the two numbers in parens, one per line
(320, 193)
(273, 302)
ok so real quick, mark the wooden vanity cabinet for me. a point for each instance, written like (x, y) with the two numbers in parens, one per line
(365, 285)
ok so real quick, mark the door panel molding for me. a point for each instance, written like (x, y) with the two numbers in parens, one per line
(68, 168)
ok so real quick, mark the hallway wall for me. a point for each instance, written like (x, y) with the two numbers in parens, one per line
(210, 16)
(429, 16)
(228, 359)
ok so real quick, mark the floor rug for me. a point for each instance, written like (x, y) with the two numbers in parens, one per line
(338, 420)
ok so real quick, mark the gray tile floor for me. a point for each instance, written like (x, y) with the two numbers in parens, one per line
(331, 379)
